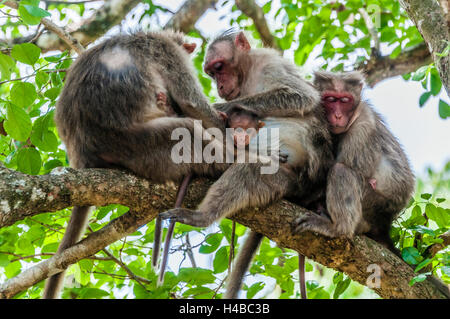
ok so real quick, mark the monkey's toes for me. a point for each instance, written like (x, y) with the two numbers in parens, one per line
(303, 223)
(185, 216)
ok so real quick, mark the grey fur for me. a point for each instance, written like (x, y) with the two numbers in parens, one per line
(107, 114)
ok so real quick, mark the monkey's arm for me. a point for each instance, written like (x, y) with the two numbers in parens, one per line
(284, 95)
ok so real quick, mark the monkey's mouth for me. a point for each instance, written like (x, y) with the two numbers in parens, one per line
(233, 94)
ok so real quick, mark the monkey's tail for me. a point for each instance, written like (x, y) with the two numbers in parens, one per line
(182, 189)
(301, 273)
(75, 229)
(242, 264)
(156, 242)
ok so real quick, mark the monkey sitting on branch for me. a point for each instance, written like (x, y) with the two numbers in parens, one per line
(107, 115)
(264, 83)
(371, 180)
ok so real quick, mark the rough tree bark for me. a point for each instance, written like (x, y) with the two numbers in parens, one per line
(23, 195)
(432, 19)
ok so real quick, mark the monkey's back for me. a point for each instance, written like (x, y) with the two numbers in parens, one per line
(107, 91)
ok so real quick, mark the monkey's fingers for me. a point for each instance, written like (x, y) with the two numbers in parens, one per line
(313, 222)
(186, 216)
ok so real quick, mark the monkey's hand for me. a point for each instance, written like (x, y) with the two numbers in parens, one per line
(315, 223)
(187, 216)
(230, 106)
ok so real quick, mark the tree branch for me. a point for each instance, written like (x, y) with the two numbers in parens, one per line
(186, 17)
(252, 10)
(60, 32)
(379, 68)
(432, 20)
(24, 195)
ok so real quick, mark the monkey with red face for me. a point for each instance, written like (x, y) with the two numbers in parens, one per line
(371, 180)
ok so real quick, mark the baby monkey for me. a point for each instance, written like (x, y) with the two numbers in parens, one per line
(245, 125)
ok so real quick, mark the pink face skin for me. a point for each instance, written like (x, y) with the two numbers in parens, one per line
(339, 108)
(222, 62)
(226, 78)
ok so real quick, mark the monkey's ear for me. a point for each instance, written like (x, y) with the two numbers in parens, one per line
(223, 115)
(189, 47)
(242, 43)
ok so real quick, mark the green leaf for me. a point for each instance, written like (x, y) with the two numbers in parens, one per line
(93, 293)
(35, 11)
(23, 94)
(444, 109)
(423, 230)
(437, 214)
(424, 98)
(254, 289)
(341, 287)
(41, 78)
(29, 161)
(196, 276)
(435, 82)
(220, 263)
(52, 93)
(411, 255)
(27, 53)
(18, 123)
(423, 264)
(6, 66)
(26, 16)
(211, 243)
(419, 278)
(426, 196)
(420, 73)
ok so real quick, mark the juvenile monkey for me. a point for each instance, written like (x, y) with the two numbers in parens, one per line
(107, 114)
(264, 83)
(246, 125)
(371, 180)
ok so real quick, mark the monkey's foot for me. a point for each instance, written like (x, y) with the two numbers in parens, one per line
(313, 222)
(186, 216)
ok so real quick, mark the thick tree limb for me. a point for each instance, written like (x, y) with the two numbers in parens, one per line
(432, 20)
(24, 195)
(379, 68)
(186, 17)
(252, 10)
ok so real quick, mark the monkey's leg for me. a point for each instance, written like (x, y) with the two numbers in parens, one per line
(241, 186)
(242, 264)
(75, 229)
(179, 200)
(343, 199)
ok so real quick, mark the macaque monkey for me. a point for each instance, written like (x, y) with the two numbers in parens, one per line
(371, 180)
(245, 124)
(107, 114)
(266, 84)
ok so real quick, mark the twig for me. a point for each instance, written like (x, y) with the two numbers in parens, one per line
(60, 32)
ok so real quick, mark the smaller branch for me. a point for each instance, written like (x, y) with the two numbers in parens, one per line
(372, 31)
(186, 17)
(252, 10)
(60, 32)
(138, 279)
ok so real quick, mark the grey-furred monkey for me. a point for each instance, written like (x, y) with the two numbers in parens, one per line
(371, 180)
(107, 114)
(270, 86)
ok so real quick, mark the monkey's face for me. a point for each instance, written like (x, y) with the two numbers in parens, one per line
(339, 108)
(220, 65)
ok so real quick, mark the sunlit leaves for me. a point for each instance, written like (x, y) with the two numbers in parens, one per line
(23, 94)
(27, 53)
(6, 66)
(18, 123)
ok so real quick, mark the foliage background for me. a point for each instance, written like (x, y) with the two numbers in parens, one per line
(329, 34)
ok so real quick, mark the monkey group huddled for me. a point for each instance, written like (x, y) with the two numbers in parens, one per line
(123, 98)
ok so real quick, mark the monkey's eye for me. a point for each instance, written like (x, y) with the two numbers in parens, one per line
(330, 99)
(345, 99)
(217, 66)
